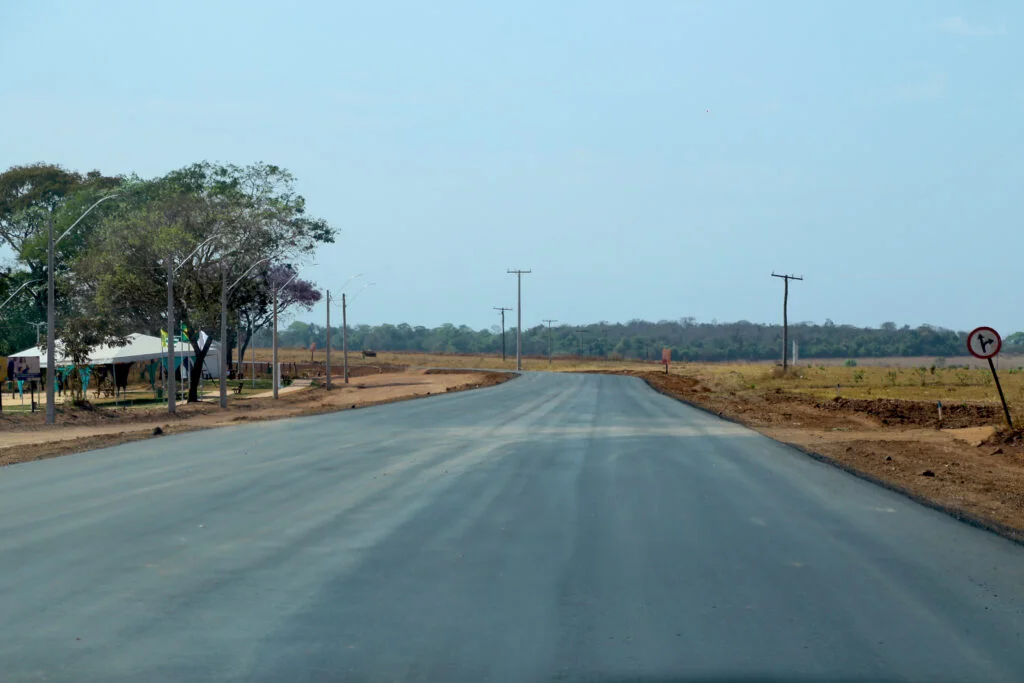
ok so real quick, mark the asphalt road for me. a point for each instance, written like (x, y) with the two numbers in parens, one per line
(557, 527)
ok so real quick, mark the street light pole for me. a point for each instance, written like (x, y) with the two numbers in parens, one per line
(344, 335)
(328, 381)
(11, 297)
(273, 367)
(273, 371)
(51, 312)
(222, 354)
(51, 321)
(172, 389)
(224, 325)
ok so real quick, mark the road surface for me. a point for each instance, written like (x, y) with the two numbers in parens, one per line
(554, 528)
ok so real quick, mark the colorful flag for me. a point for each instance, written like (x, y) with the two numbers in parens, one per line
(184, 333)
(163, 339)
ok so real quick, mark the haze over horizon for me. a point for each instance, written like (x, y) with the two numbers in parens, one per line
(647, 162)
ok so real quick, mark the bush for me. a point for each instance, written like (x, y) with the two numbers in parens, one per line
(850, 363)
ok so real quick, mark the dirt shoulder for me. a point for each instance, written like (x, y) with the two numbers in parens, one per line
(966, 468)
(24, 438)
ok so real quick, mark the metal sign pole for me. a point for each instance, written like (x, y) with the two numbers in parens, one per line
(1006, 410)
(985, 343)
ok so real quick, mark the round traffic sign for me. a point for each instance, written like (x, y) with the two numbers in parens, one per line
(984, 342)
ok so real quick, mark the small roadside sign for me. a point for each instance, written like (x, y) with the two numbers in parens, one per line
(26, 368)
(985, 343)
(666, 358)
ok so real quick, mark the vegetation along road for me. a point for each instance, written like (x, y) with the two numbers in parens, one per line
(556, 527)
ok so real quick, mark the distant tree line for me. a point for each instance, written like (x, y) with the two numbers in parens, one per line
(639, 339)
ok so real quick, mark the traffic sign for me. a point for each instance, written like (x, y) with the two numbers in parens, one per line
(984, 343)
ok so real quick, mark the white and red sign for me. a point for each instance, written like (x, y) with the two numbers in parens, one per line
(984, 343)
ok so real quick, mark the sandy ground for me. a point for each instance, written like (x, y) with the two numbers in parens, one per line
(973, 470)
(24, 440)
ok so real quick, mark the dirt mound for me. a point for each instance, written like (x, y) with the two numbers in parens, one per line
(437, 371)
(1006, 437)
(366, 370)
(890, 411)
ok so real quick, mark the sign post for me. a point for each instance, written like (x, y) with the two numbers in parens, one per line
(26, 369)
(666, 358)
(985, 343)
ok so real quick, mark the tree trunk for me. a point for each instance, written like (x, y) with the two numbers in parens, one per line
(243, 346)
(230, 347)
(197, 368)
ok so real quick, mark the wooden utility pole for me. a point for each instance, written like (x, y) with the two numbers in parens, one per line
(502, 309)
(549, 321)
(785, 317)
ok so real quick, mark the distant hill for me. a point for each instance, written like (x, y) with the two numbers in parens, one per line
(688, 340)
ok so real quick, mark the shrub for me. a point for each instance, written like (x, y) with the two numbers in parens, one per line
(850, 363)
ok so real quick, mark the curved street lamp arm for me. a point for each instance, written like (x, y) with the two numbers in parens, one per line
(201, 245)
(23, 286)
(262, 260)
(65, 233)
(361, 289)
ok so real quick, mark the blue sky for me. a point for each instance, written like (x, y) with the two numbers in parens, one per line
(646, 159)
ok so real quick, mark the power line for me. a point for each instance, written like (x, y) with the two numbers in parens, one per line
(785, 317)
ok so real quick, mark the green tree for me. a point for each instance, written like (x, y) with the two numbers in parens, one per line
(30, 196)
(238, 216)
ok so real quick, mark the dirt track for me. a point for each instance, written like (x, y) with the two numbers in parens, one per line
(966, 468)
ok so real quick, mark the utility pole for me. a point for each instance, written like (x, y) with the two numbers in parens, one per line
(519, 316)
(344, 334)
(502, 309)
(273, 367)
(549, 321)
(328, 381)
(51, 313)
(785, 317)
(274, 372)
(172, 390)
(51, 318)
(223, 355)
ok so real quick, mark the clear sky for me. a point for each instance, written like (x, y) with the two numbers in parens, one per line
(646, 159)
